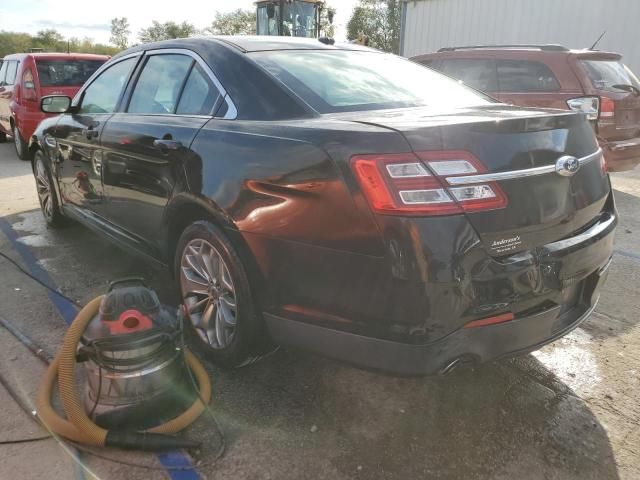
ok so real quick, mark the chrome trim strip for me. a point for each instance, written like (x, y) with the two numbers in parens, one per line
(232, 111)
(593, 231)
(529, 172)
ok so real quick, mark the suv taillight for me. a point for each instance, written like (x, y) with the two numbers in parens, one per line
(416, 184)
(607, 109)
(28, 85)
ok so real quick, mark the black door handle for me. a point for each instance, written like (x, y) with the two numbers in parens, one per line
(167, 145)
(90, 133)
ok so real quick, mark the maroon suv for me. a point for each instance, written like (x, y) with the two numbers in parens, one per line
(27, 77)
(552, 76)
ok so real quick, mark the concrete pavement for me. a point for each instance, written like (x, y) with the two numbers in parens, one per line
(568, 411)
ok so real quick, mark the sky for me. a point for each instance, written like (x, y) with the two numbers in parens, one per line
(79, 18)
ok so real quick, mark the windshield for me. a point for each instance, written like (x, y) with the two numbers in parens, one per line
(342, 81)
(604, 74)
(66, 73)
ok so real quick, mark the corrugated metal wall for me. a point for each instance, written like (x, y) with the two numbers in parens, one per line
(433, 24)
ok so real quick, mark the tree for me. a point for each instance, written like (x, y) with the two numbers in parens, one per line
(238, 22)
(50, 40)
(120, 32)
(165, 31)
(380, 21)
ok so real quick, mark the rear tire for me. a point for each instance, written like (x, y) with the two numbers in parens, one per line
(3, 137)
(49, 204)
(223, 322)
(22, 149)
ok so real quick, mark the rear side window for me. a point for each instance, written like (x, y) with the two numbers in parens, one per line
(159, 84)
(12, 69)
(525, 76)
(65, 73)
(199, 95)
(102, 95)
(479, 73)
(605, 74)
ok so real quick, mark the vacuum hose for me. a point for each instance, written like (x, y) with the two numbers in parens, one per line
(80, 428)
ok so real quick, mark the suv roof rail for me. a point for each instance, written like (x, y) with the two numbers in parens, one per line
(547, 47)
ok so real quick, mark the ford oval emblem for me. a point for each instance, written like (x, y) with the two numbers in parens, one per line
(567, 166)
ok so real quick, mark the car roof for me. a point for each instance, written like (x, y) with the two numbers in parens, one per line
(531, 50)
(247, 43)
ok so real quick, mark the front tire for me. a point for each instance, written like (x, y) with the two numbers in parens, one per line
(47, 196)
(22, 149)
(3, 137)
(215, 289)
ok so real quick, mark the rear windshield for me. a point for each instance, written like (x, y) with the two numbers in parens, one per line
(65, 73)
(342, 81)
(605, 74)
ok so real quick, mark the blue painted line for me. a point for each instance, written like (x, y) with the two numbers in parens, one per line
(68, 311)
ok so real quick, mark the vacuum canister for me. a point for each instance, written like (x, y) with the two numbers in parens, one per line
(136, 374)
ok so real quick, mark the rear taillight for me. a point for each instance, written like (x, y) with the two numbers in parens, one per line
(607, 108)
(28, 86)
(416, 184)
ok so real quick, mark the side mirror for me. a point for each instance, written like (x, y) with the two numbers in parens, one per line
(55, 104)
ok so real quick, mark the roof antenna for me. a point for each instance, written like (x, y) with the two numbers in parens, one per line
(598, 40)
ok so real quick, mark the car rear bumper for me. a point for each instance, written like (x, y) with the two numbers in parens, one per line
(467, 345)
(622, 155)
(575, 267)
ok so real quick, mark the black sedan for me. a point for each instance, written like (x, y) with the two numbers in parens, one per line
(335, 198)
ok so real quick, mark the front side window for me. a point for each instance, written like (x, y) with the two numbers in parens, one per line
(342, 81)
(3, 71)
(103, 93)
(65, 73)
(525, 76)
(159, 84)
(479, 73)
(199, 95)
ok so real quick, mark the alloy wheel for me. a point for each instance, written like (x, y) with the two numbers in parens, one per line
(208, 293)
(44, 189)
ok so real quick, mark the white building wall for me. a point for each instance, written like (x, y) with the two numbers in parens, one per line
(432, 24)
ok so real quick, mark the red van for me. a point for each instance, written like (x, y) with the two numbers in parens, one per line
(27, 77)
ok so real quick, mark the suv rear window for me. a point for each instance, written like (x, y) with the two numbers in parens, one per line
(604, 74)
(343, 81)
(525, 76)
(65, 73)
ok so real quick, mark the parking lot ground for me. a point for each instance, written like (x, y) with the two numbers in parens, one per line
(567, 411)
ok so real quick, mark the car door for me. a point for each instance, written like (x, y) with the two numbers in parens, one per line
(173, 97)
(79, 154)
(7, 83)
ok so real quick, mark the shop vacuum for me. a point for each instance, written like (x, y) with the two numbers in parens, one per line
(140, 379)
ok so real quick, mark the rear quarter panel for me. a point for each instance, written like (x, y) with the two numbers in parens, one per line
(287, 194)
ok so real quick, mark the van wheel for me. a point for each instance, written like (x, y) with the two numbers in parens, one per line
(215, 290)
(3, 137)
(22, 149)
(47, 193)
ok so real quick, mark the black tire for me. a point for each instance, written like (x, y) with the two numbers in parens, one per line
(49, 203)
(248, 339)
(3, 137)
(22, 149)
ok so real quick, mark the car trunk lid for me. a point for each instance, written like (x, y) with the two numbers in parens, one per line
(523, 147)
